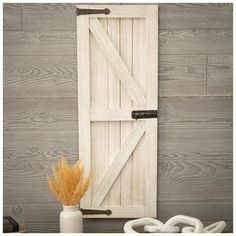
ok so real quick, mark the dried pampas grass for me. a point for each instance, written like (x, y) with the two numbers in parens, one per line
(69, 185)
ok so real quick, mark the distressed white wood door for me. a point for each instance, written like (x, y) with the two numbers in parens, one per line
(117, 73)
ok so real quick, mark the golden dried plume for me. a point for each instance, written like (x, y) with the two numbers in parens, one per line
(69, 184)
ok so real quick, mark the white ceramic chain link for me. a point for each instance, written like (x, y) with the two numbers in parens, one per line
(155, 226)
(150, 225)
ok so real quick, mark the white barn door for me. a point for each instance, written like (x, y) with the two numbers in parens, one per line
(118, 73)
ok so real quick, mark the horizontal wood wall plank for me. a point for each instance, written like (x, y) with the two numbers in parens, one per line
(96, 226)
(24, 146)
(195, 164)
(172, 16)
(26, 212)
(195, 41)
(197, 112)
(195, 143)
(12, 16)
(182, 75)
(42, 227)
(64, 42)
(39, 43)
(196, 16)
(220, 75)
(99, 226)
(54, 76)
(39, 76)
(213, 211)
(27, 182)
(49, 16)
(196, 180)
(208, 212)
(40, 114)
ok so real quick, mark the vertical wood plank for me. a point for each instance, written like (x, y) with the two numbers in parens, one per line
(116, 61)
(120, 160)
(126, 103)
(139, 73)
(114, 103)
(152, 103)
(84, 101)
(99, 100)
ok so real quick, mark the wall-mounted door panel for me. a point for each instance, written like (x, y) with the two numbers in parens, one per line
(117, 73)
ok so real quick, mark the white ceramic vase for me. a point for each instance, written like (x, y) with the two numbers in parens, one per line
(71, 220)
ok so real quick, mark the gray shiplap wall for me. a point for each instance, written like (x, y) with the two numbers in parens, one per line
(195, 134)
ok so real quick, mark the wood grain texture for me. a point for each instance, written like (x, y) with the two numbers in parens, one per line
(84, 141)
(41, 146)
(96, 226)
(111, 115)
(49, 16)
(195, 41)
(195, 164)
(24, 182)
(152, 103)
(12, 16)
(114, 132)
(39, 43)
(220, 75)
(118, 163)
(139, 64)
(195, 168)
(212, 211)
(126, 52)
(182, 75)
(123, 74)
(64, 42)
(208, 212)
(196, 16)
(99, 100)
(41, 227)
(172, 16)
(119, 11)
(39, 76)
(196, 112)
(107, 38)
(60, 114)
(40, 114)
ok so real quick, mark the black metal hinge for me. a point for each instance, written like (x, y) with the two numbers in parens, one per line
(95, 212)
(81, 11)
(144, 114)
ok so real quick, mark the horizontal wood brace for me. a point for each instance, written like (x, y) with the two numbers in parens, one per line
(120, 212)
(132, 11)
(111, 115)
